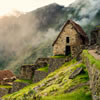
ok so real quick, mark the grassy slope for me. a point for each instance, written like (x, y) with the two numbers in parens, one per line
(24, 81)
(53, 87)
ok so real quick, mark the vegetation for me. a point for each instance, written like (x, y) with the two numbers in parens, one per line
(92, 60)
(58, 56)
(5, 86)
(24, 81)
(79, 94)
(55, 85)
(44, 69)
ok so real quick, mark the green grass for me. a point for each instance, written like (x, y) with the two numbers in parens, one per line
(5, 86)
(80, 94)
(24, 81)
(91, 59)
(97, 26)
(44, 69)
(58, 56)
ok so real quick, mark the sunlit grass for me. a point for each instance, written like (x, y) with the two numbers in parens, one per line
(91, 59)
(80, 94)
(24, 81)
(44, 69)
(5, 86)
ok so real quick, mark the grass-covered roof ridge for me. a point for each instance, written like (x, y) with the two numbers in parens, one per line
(91, 59)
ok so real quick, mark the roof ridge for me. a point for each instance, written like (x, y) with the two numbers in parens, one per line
(77, 27)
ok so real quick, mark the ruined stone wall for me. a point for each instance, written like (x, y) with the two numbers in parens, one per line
(60, 45)
(27, 72)
(54, 63)
(39, 75)
(94, 77)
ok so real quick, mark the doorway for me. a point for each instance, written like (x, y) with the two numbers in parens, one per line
(68, 50)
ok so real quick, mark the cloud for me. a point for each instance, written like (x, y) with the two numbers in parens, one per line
(88, 9)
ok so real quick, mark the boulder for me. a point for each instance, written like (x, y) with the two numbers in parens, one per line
(76, 72)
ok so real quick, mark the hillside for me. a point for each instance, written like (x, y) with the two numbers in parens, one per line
(57, 85)
(25, 36)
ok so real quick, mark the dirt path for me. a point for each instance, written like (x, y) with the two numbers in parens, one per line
(92, 52)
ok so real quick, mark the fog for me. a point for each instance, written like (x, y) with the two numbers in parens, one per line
(18, 33)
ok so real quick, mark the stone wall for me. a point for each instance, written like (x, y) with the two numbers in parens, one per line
(74, 41)
(17, 86)
(94, 76)
(95, 36)
(4, 91)
(39, 75)
(28, 71)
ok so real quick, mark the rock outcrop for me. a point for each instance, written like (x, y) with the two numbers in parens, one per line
(76, 72)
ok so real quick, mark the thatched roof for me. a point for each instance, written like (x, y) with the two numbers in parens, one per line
(5, 74)
(77, 27)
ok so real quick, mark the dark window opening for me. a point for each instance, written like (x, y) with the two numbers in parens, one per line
(68, 51)
(67, 40)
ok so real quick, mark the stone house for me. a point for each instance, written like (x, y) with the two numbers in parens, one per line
(70, 40)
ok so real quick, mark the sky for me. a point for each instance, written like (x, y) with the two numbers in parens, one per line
(9, 6)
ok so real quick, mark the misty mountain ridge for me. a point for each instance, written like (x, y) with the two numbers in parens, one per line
(25, 38)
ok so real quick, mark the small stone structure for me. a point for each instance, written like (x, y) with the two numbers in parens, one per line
(6, 77)
(71, 40)
(95, 36)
